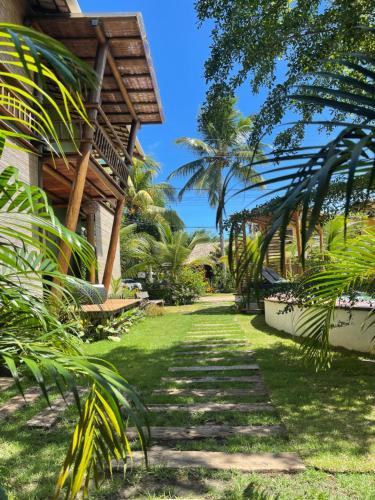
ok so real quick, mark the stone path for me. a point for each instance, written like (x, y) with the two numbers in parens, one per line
(48, 417)
(204, 339)
(204, 380)
(245, 462)
(17, 402)
(231, 353)
(202, 393)
(214, 407)
(5, 383)
(213, 368)
(208, 431)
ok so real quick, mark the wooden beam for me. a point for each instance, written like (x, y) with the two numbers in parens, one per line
(132, 137)
(113, 65)
(114, 241)
(79, 180)
(298, 234)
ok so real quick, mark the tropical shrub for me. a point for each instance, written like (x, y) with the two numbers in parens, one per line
(34, 342)
(184, 287)
(111, 327)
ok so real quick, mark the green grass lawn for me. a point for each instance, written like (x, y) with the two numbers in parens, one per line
(329, 416)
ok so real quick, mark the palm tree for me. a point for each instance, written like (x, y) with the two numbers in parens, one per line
(33, 341)
(143, 194)
(223, 155)
(168, 253)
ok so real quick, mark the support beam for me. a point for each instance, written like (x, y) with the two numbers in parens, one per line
(298, 235)
(113, 65)
(79, 180)
(132, 137)
(107, 276)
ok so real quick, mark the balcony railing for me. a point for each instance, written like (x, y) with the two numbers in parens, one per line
(105, 149)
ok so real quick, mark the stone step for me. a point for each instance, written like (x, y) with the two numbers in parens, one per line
(246, 462)
(215, 344)
(202, 380)
(189, 353)
(219, 328)
(258, 389)
(208, 431)
(212, 368)
(211, 335)
(5, 383)
(197, 325)
(214, 360)
(208, 338)
(17, 402)
(206, 407)
(48, 417)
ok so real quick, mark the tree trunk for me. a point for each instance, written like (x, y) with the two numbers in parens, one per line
(222, 244)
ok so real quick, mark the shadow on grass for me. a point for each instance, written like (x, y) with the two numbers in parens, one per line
(326, 413)
(329, 411)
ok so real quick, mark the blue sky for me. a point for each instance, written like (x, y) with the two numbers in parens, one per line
(179, 50)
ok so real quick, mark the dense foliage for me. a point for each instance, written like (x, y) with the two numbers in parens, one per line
(184, 287)
(34, 342)
(262, 39)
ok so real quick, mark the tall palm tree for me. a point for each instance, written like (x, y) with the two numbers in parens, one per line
(222, 150)
(33, 341)
(143, 193)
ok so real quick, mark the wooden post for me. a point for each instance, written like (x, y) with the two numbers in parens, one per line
(78, 186)
(244, 234)
(132, 136)
(89, 209)
(298, 235)
(321, 239)
(107, 276)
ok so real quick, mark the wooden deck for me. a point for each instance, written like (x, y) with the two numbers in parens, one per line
(110, 307)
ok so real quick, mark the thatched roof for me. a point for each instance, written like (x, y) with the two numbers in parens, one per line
(201, 251)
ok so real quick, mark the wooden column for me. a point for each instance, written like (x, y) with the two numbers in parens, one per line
(89, 209)
(76, 193)
(298, 235)
(321, 238)
(132, 136)
(107, 276)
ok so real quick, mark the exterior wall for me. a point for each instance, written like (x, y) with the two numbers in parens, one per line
(26, 163)
(103, 228)
(12, 11)
(350, 336)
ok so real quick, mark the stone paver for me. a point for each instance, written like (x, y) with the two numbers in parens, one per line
(215, 344)
(215, 324)
(212, 368)
(246, 462)
(189, 353)
(5, 383)
(202, 380)
(214, 336)
(192, 408)
(208, 431)
(257, 389)
(18, 402)
(48, 417)
(214, 360)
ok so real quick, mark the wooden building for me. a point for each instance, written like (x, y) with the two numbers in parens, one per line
(88, 192)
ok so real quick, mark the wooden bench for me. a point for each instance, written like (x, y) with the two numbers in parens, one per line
(144, 296)
(111, 307)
